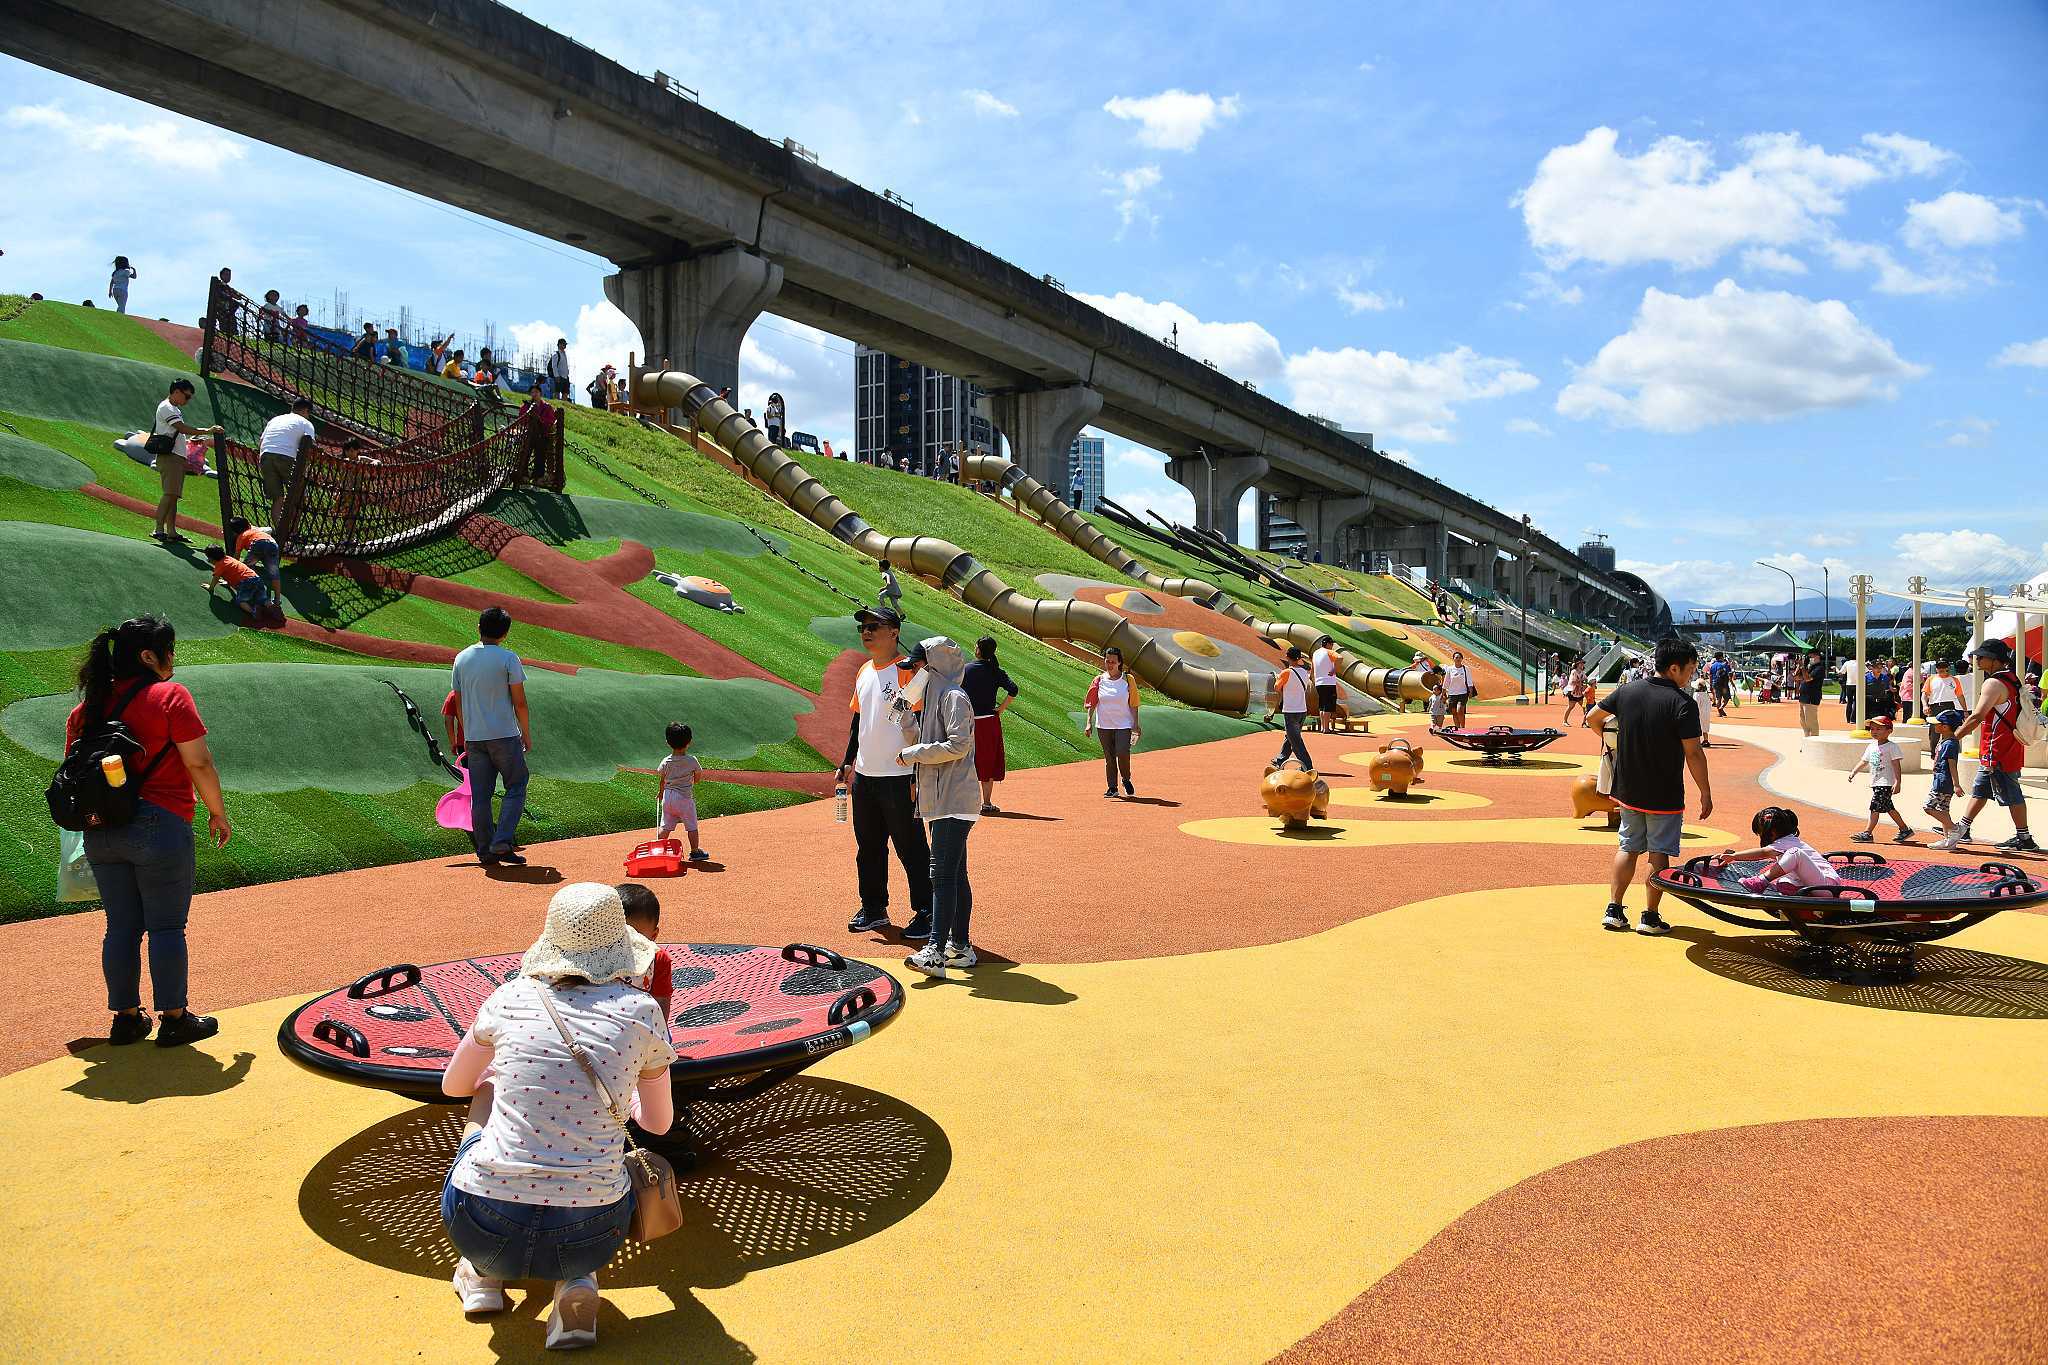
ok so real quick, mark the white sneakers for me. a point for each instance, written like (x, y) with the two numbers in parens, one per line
(930, 960)
(960, 955)
(478, 1294)
(572, 1323)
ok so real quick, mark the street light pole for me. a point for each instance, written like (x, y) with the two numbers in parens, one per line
(1795, 591)
(1522, 653)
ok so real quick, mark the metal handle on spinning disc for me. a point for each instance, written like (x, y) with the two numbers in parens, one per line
(385, 981)
(856, 1001)
(344, 1036)
(813, 954)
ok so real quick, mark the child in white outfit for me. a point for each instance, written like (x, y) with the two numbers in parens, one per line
(1884, 761)
(1793, 863)
(679, 789)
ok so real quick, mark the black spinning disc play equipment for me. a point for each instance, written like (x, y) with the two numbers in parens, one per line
(1497, 742)
(744, 1018)
(1868, 924)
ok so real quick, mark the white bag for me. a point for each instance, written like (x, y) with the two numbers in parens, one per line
(75, 881)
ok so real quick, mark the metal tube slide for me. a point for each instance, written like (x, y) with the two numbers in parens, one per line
(1383, 684)
(1086, 623)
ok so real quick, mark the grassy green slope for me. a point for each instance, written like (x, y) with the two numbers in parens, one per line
(97, 331)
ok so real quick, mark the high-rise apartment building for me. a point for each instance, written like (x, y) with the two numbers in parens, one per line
(913, 414)
(1084, 471)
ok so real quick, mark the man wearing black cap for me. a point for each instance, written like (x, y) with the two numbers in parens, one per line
(883, 805)
(2004, 753)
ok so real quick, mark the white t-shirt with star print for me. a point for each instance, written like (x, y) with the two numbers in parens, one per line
(550, 1139)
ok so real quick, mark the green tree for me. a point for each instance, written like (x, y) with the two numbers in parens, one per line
(1944, 642)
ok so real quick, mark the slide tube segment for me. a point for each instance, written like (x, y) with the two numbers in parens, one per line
(1381, 684)
(1085, 623)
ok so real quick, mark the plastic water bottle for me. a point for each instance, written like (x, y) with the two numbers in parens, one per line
(839, 804)
(114, 770)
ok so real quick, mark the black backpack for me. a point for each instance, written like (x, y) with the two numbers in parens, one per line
(79, 795)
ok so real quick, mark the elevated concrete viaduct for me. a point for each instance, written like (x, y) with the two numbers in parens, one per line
(709, 224)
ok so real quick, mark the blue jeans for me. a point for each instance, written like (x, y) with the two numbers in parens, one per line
(264, 557)
(489, 760)
(952, 896)
(506, 1241)
(144, 870)
(1294, 745)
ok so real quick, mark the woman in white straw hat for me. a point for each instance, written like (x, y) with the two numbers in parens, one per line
(538, 1190)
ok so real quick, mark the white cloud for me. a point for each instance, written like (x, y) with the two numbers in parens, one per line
(1958, 220)
(1903, 155)
(1174, 120)
(1949, 555)
(1365, 300)
(1390, 395)
(176, 145)
(1544, 288)
(1770, 260)
(1829, 540)
(811, 369)
(989, 105)
(1895, 277)
(2025, 353)
(910, 112)
(1129, 189)
(1523, 426)
(1396, 454)
(1965, 432)
(1242, 350)
(1715, 581)
(1589, 201)
(1595, 467)
(1734, 355)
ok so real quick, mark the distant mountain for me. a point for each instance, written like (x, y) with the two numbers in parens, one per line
(1884, 608)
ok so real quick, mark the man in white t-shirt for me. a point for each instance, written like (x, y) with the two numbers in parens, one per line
(285, 438)
(1458, 688)
(884, 808)
(164, 432)
(1324, 664)
(1943, 691)
(1289, 697)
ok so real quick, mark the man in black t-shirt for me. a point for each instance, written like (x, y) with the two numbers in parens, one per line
(1657, 739)
(1811, 677)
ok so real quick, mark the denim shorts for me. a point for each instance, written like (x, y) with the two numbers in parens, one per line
(506, 1241)
(1648, 832)
(1998, 785)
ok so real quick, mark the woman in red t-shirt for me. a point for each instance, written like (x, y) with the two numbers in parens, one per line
(145, 867)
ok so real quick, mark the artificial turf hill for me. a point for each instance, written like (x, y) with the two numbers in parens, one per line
(323, 767)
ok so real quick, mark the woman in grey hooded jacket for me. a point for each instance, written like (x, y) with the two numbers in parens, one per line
(941, 751)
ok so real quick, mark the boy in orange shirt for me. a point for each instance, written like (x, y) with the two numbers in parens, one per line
(256, 547)
(245, 589)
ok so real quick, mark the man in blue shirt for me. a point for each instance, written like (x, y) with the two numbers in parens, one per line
(490, 687)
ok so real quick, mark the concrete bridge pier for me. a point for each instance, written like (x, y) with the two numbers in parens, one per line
(1040, 426)
(1329, 520)
(1427, 544)
(696, 312)
(1217, 491)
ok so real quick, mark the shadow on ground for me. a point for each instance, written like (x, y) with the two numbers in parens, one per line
(810, 1167)
(1947, 980)
(143, 1072)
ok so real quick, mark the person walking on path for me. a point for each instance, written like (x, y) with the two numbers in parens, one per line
(884, 812)
(490, 690)
(890, 598)
(2004, 752)
(145, 868)
(287, 438)
(538, 1189)
(1943, 691)
(1323, 663)
(1458, 688)
(164, 431)
(940, 746)
(117, 284)
(1112, 716)
(1657, 741)
(558, 372)
(1808, 680)
(1289, 697)
(1575, 689)
(983, 682)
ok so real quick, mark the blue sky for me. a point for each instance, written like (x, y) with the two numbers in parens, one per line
(1723, 282)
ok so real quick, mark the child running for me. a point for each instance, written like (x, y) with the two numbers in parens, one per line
(257, 547)
(679, 789)
(1884, 761)
(643, 913)
(1793, 864)
(1948, 752)
(244, 587)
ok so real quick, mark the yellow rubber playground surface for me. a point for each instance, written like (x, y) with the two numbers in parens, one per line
(1421, 1109)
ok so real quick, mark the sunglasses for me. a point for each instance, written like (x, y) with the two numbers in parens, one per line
(870, 627)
